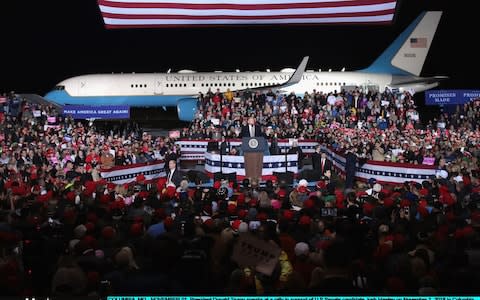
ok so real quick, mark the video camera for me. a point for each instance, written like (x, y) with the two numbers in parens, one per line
(329, 212)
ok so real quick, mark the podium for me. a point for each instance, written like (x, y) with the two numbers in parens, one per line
(253, 149)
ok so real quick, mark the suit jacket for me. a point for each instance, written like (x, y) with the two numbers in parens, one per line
(316, 161)
(177, 177)
(326, 166)
(225, 148)
(246, 131)
(350, 163)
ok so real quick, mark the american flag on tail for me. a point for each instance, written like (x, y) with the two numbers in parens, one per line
(170, 13)
(418, 42)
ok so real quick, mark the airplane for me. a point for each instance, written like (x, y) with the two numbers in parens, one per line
(397, 68)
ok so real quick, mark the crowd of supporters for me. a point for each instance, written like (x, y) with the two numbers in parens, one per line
(380, 126)
(65, 231)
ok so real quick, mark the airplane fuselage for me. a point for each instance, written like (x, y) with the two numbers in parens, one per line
(164, 89)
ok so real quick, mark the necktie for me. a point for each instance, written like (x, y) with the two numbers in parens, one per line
(252, 131)
(170, 176)
(323, 164)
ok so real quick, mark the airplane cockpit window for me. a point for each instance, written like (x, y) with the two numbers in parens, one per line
(59, 88)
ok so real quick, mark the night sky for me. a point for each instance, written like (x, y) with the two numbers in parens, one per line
(44, 42)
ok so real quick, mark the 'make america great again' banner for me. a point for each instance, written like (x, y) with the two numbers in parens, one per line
(83, 112)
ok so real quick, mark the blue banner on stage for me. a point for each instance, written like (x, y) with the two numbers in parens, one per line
(97, 112)
(450, 97)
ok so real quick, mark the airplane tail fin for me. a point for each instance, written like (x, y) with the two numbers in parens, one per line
(406, 55)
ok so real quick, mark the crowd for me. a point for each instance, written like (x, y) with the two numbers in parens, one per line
(65, 231)
(380, 126)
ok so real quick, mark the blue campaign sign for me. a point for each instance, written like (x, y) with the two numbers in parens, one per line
(450, 97)
(97, 112)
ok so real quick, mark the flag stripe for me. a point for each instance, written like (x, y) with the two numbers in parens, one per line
(240, 5)
(240, 17)
(197, 25)
(350, 20)
(227, 1)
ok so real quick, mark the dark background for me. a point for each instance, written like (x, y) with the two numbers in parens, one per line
(45, 42)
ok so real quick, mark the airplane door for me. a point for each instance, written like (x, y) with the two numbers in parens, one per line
(82, 87)
(158, 86)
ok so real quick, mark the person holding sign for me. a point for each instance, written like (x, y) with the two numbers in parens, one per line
(260, 258)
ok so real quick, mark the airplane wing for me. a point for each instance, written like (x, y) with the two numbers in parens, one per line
(415, 80)
(294, 79)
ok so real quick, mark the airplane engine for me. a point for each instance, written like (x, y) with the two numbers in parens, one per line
(186, 108)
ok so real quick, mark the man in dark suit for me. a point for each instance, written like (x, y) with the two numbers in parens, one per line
(224, 146)
(320, 163)
(297, 150)
(325, 164)
(174, 175)
(350, 167)
(251, 129)
(316, 159)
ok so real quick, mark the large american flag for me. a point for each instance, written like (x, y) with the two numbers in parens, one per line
(168, 13)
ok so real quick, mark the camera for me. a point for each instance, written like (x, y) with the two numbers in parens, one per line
(329, 212)
(105, 287)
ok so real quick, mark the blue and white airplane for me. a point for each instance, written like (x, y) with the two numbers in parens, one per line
(397, 68)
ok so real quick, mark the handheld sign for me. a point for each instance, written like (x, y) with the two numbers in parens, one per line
(252, 251)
